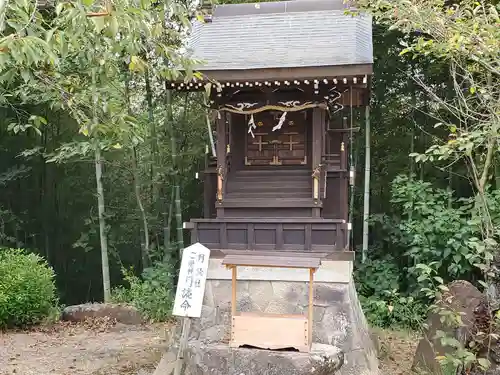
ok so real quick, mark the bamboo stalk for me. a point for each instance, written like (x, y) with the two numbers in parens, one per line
(177, 200)
(209, 127)
(137, 189)
(3, 6)
(168, 226)
(155, 192)
(366, 200)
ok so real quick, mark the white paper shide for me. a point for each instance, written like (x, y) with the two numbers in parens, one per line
(191, 284)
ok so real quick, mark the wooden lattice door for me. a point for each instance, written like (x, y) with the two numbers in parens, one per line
(285, 146)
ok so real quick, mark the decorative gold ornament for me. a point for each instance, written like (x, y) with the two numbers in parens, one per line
(291, 123)
(260, 123)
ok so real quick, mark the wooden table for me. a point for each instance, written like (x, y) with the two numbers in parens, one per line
(271, 331)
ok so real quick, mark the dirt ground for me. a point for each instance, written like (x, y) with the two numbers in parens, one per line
(85, 349)
(397, 349)
(105, 348)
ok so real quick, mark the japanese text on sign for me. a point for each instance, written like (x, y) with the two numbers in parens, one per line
(192, 278)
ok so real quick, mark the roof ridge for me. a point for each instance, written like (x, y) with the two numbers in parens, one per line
(289, 6)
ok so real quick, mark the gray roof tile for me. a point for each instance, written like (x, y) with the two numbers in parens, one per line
(268, 37)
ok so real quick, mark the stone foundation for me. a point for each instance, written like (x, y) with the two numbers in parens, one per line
(202, 359)
(338, 317)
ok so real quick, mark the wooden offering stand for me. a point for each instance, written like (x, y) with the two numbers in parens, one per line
(271, 331)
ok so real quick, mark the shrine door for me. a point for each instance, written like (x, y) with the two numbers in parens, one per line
(285, 146)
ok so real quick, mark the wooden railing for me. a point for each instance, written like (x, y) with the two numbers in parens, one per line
(286, 234)
(335, 147)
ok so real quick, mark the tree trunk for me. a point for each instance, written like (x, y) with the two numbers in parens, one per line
(102, 223)
(100, 199)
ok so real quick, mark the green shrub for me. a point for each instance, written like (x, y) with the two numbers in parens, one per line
(376, 276)
(394, 310)
(379, 286)
(27, 289)
(152, 293)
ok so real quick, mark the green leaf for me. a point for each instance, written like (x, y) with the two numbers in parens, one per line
(113, 25)
(59, 8)
(25, 74)
(443, 288)
(137, 64)
(50, 34)
(99, 23)
(484, 363)
(87, 3)
(64, 44)
(439, 279)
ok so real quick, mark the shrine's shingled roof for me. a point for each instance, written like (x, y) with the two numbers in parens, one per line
(285, 34)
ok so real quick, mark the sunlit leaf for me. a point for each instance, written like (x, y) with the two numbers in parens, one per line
(99, 23)
(113, 25)
(200, 18)
(85, 131)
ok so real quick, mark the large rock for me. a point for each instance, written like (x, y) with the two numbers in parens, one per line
(488, 346)
(121, 313)
(219, 359)
(462, 298)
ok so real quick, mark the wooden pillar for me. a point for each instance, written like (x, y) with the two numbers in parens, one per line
(221, 140)
(344, 175)
(229, 132)
(318, 119)
(221, 161)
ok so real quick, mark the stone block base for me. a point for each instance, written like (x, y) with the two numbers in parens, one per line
(219, 359)
(338, 318)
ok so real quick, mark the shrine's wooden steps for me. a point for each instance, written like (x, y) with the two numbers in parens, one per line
(256, 193)
(270, 183)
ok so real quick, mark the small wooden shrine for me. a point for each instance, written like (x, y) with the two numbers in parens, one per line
(289, 88)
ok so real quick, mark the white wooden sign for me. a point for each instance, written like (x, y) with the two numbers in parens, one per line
(191, 284)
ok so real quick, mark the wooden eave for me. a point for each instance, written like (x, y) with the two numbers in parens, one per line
(346, 74)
